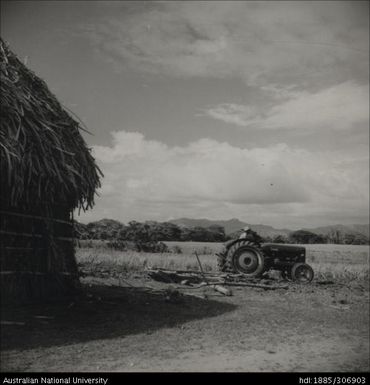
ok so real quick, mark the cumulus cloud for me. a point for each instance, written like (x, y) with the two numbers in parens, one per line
(146, 179)
(343, 106)
(305, 67)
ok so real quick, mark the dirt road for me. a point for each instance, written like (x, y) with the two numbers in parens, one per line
(305, 328)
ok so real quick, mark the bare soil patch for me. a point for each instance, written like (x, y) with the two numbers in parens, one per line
(133, 328)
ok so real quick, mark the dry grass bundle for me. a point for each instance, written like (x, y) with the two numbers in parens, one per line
(42, 153)
(46, 171)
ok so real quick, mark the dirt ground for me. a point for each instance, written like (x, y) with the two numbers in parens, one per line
(113, 328)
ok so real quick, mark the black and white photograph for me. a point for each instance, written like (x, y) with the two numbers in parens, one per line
(184, 188)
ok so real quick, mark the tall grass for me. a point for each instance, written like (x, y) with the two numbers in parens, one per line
(345, 254)
(340, 271)
(129, 261)
(338, 262)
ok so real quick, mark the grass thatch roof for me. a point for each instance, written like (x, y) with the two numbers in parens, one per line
(42, 153)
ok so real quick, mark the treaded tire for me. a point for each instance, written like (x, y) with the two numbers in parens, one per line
(302, 273)
(245, 257)
(221, 261)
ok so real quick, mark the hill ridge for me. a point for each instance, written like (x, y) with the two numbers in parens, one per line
(234, 224)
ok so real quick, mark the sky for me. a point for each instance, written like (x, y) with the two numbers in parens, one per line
(255, 110)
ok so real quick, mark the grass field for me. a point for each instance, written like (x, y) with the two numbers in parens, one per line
(125, 322)
(328, 261)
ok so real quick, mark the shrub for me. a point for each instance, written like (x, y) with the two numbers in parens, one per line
(177, 249)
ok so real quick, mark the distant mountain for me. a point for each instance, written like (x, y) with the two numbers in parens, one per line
(231, 226)
(348, 229)
(363, 229)
(111, 229)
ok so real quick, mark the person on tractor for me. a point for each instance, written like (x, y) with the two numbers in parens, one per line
(250, 235)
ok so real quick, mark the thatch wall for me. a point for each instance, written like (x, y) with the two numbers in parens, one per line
(46, 172)
(37, 254)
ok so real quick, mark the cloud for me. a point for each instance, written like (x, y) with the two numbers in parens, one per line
(343, 106)
(260, 42)
(233, 113)
(146, 179)
(203, 170)
(239, 115)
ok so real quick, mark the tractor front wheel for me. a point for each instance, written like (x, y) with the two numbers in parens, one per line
(302, 273)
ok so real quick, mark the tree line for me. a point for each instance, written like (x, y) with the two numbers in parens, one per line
(333, 237)
(151, 231)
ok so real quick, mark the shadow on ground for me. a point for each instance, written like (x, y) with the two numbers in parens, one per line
(106, 312)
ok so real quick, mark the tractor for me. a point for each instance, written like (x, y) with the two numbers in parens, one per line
(252, 258)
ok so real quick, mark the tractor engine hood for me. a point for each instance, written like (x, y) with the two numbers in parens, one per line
(272, 248)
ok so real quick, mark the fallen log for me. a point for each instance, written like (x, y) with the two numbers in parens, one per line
(201, 296)
(259, 286)
(190, 272)
(173, 277)
(222, 290)
(166, 277)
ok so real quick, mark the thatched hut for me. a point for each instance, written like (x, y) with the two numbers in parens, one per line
(46, 172)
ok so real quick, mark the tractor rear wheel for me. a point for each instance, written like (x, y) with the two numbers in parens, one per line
(302, 273)
(245, 257)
